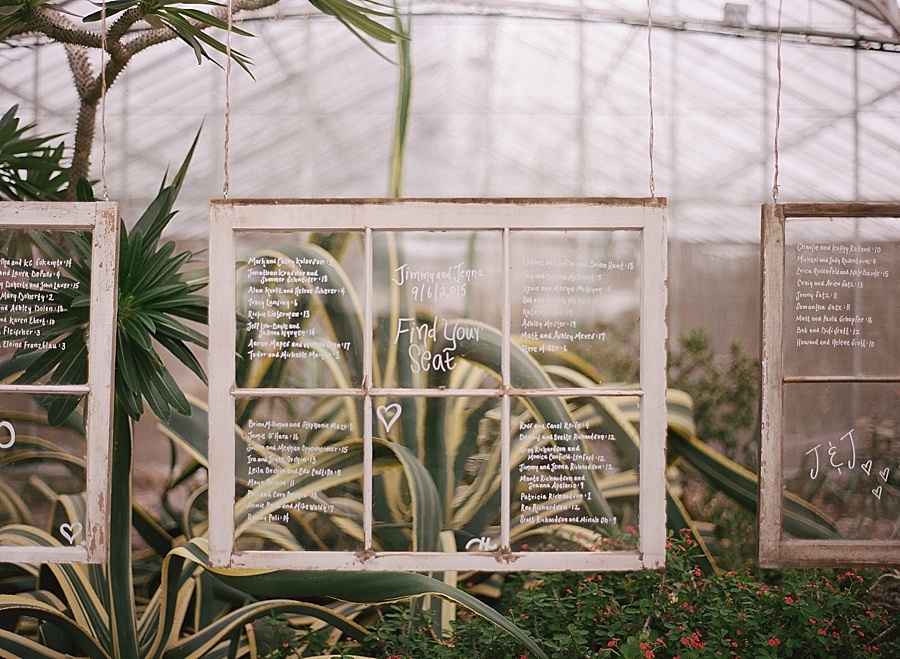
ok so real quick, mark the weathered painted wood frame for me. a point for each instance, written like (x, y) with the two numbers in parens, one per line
(774, 550)
(102, 220)
(229, 217)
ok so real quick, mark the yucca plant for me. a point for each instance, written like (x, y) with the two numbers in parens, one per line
(30, 166)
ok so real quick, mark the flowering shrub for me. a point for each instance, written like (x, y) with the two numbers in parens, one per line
(276, 638)
(676, 612)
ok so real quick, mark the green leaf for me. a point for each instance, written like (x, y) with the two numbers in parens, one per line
(158, 214)
(208, 19)
(525, 373)
(799, 517)
(364, 587)
(198, 644)
(83, 190)
(85, 617)
(404, 94)
(136, 331)
(183, 354)
(196, 38)
(30, 168)
(122, 610)
(149, 528)
(14, 646)
(427, 515)
(677, 518)
(112, 8)
(354, 18)
(166, 386)
(190, 431)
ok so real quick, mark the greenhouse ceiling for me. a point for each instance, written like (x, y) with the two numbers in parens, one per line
(510, 99)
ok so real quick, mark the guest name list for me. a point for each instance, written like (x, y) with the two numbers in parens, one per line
(829, 303)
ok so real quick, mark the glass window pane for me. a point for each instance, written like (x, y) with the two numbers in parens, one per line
(841, 306)
(299, 309)
(44, 300)
(438, 297)
(574, 473)
(841, 453)
(576, 295)
(299, 472)
(42, 469)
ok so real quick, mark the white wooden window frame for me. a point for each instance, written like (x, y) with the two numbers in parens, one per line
(102, 220)
(774, 549)
(232, 217)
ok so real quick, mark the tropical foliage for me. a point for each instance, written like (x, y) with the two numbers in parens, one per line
(437, 468)
(202, 25)
(438, 480)
(30, 166)
(195, 611)
(163, 601)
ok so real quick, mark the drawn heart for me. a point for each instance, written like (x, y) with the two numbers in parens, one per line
(884, 473)
(877, 492)
(867, 467)
(388, 415)
(71, 531)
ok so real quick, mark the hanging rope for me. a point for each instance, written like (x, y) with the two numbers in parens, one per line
(777, 102)
(103, 101)
(650, 90)
(227, 145)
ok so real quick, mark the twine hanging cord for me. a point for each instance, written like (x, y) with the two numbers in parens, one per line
(650, 91)
(227, 143)
(103, 47)
(777, 102)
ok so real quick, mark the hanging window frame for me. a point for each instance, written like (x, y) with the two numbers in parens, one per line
(776, 551)
(90, 542)
(230, 218)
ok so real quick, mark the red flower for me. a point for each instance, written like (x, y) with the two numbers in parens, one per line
(774, 641)
(789, 600)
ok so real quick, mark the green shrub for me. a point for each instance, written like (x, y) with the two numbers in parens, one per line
(675, 612)
(276, 637)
